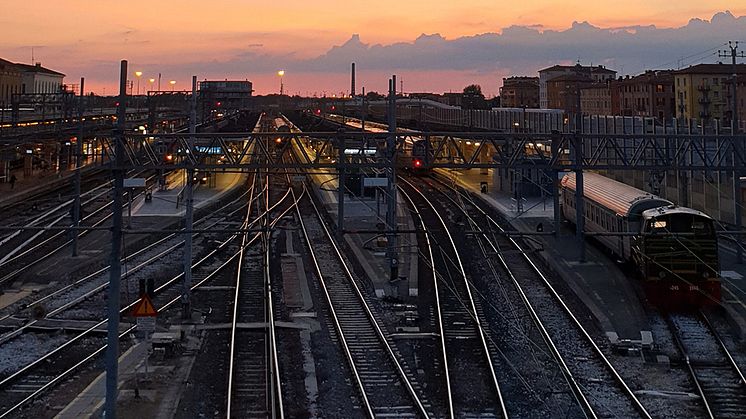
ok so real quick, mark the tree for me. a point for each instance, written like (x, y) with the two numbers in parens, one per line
(472, 98)
(370, 96)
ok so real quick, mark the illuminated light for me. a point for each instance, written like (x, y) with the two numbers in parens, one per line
(281, 73)
(468, 143)
(477, 144)
(169, 157)
(204, 179)
(278, 140)
(417, 163)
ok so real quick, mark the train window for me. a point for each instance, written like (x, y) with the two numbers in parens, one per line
(659, 224)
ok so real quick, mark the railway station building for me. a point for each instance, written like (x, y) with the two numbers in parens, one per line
(10, 82)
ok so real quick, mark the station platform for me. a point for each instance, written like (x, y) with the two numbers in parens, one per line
(26, 186)
(599, 282)
(169, 201)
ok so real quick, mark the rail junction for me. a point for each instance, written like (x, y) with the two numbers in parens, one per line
(302, 265)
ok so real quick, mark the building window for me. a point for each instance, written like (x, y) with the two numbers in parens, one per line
(715, 81)
(659, 88)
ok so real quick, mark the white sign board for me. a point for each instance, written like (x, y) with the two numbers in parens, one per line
(134, 182)
(372, 182)
(146, 324)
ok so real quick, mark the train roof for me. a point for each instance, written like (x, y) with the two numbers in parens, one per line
(619, 197)
(671, 209)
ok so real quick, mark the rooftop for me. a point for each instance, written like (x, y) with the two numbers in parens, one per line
(719, 68)
(579, 68)
(37, 69)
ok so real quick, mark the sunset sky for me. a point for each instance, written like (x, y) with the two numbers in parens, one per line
(239, 39)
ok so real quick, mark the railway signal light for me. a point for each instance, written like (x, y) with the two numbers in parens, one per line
(417, 163)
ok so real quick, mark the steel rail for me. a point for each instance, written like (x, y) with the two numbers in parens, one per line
(436, 289)
(721, 343)
(165, 306)
(474, 314)
(369, 313)
(636, 402)
(564, 368)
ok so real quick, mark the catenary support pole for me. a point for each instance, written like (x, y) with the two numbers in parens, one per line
(115, 272)
(189, 211)
(579, 195)
(341, 180)
(738, 147)
(78, 158)
(391, 192)
(556, 185)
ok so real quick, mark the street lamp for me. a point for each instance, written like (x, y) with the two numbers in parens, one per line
(172, 83)
(151, 81)
(281, 73)
(138, 74)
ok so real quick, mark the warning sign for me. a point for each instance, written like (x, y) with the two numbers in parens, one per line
(146, 324)
(144, 308)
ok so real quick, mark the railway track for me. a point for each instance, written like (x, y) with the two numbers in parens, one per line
(715, 375)
(43, 244)
(472, 384)
(139, 265)
(25, 384)
(386, 388)
(596, 384)
(254, 387)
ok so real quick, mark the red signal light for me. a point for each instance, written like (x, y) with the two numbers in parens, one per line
(417, 163)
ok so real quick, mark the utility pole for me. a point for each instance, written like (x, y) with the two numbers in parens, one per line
(189, 212)
(392, 225)
(115, 272)
(733, 53)
(78, 158)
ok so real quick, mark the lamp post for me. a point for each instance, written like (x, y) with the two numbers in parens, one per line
(138, 74)
(281, 73)
(151, 81)
(172, 83)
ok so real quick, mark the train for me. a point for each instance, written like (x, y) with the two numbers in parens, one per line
(673, 250)
(419, 162)
(281, 126)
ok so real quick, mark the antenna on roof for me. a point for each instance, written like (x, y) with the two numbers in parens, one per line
(32, 55)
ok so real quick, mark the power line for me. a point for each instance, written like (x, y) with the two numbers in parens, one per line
(707, 51)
